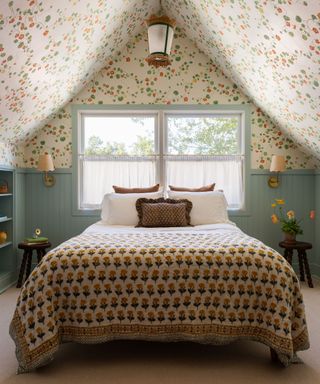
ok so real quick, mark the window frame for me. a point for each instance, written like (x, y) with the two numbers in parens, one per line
(81, 146)
(77, 114)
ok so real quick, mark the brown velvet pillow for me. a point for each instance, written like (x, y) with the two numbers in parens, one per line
(163, 212)
(205, 188)
(117, 189)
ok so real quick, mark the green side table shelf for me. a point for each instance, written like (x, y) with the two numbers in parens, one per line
(301, 247)
(27, 257)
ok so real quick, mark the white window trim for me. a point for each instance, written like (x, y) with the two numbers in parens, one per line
(216, 113)
(80, 144)
(80, 111)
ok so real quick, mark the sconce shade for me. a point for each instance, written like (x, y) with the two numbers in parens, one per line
(45, 163)
(277, 163)
(160, 36)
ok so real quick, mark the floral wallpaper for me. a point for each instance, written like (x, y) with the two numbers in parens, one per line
(270, 49)
(192, 79)
(11, 155)
(49, 49)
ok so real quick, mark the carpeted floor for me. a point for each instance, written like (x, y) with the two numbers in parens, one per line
(155, 363)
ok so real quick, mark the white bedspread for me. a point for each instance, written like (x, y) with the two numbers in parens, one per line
(101, 227)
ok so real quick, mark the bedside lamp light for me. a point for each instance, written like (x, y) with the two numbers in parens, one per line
(45, 164)
(277, 165)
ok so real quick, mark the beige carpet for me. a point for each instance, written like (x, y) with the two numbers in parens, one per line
(142, 362)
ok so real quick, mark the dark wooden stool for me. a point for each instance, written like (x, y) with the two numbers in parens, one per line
(27, 257)
(301, 247)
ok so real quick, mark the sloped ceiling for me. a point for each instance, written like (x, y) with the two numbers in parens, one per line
(49, 50)
(271, 49)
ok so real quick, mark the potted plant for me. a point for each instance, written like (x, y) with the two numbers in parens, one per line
(289, 224)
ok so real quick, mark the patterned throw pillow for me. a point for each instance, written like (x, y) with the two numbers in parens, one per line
(205, 188)
(154, 188)
(163, 212)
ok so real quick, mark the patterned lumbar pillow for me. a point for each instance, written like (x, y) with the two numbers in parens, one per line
(205, 188)
(154, 188)
(163, 212)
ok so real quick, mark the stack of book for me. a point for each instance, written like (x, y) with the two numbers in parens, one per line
(35, 240)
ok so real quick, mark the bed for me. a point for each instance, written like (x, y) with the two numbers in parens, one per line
(207, 284)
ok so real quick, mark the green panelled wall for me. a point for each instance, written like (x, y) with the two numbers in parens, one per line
(317, 224)
(21, 203)
(51, 208)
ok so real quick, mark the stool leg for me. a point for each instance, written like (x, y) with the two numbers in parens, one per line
(39, 255)
(307, 269)
(300, 258)
(288, 255)
(43, 253)
(29, 264)
(22, 268)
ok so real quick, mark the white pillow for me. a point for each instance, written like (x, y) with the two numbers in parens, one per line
(207, 207)
(120, 208)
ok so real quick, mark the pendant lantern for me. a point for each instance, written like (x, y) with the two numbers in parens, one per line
(160, 36)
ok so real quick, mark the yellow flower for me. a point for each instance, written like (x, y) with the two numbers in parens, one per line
(280, 201)
(273, 205)
(274, 219)
(290, 215)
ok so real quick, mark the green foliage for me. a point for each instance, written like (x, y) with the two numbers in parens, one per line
(189, 135)
(143, 146)
(288, 221)
(96, 147)
(203, 136)
(291, 226)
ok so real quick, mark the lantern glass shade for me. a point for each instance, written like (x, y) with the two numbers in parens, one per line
(160, 36)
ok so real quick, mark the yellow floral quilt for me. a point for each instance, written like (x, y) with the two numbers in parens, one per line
(203, 287)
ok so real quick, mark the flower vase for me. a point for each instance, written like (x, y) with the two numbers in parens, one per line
(289, 237)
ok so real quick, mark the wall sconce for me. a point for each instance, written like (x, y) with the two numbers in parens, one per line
(160, 35)
(45, 164)
(277, 165)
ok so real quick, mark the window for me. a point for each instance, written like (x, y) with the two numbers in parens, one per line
(137, 148)
(206, 148)
(115, 149)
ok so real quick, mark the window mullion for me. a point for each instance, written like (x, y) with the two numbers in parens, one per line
(163, 162)
(162, 144)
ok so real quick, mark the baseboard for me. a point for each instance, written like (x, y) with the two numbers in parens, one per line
(315, 270)
(7, 280)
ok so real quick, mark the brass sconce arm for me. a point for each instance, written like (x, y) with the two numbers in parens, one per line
(49, 180)
(277, 165)
(274, 181)
(45, 164)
